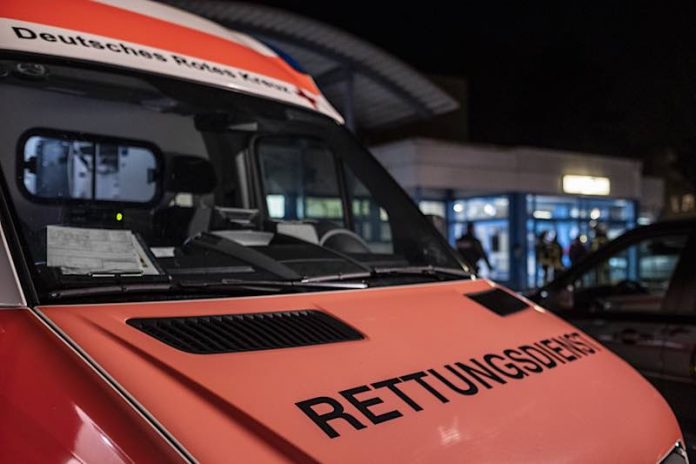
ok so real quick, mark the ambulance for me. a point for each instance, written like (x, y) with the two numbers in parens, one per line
(199, 263)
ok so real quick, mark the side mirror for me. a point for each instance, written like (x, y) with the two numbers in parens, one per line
(563, 299)
(557, 299)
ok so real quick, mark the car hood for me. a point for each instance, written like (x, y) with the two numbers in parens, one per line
(445, 372)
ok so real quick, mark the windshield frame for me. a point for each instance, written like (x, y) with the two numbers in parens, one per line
(10, 219)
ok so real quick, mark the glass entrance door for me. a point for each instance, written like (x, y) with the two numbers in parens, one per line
(562, 219)
(490, 218)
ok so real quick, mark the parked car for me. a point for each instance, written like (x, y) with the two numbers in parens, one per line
(199, 263)
(637, 295)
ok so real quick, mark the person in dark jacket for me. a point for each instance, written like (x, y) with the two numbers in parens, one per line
(603, 273)
(577, 250)
(471, 249)
(555, 251)
(541, 253)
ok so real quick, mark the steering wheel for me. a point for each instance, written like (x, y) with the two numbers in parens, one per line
(344, 241)
(631, 287)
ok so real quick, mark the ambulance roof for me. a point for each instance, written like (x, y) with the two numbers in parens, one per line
(156, 38)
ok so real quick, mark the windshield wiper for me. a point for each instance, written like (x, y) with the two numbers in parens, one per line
(423, 270)
(272, 284)
(325, 282)
(114, 289)
(429, 271)
(217, 286)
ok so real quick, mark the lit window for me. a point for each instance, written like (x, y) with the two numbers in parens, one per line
(586, 185)
(276, 206)
(436, 208)
(324, 208)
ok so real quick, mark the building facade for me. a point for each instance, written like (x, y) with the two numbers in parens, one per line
(513, 196)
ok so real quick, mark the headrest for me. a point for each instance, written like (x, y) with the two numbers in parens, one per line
(190, 174)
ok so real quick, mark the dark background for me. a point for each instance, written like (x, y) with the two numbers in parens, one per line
(616, 79)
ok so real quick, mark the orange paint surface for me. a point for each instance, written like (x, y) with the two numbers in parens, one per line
(241, 406)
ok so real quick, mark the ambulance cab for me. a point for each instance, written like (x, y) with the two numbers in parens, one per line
(199, 263)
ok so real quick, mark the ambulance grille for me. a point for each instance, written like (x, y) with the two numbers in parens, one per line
(499, 301)
(233, 333)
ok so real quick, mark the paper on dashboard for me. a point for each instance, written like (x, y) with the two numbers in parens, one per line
(78, 250)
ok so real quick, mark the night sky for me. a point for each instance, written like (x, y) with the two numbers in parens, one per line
(619, 80)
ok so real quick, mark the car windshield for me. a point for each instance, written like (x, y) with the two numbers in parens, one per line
(119, 179)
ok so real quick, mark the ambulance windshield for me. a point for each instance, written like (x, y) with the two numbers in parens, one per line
(121, 178)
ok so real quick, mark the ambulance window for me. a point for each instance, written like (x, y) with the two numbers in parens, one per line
(300, 180)
(370, 220)
(68, 166)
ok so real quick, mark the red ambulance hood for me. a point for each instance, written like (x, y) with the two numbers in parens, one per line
(248, 406)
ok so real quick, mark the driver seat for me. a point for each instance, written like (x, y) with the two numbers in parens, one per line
(190, 181)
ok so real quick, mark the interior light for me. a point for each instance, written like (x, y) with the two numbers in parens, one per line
(458, 208)
(540, 214)
(595, 213)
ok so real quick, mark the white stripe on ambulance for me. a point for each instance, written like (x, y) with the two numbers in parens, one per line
(176, 16)
(38, 38)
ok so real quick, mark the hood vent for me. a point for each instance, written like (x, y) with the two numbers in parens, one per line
(233, 333)
(499, 301)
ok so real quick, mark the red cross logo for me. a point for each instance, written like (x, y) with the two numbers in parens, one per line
(303, 94)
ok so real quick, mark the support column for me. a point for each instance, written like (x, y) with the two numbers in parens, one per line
(349, 101)
(518, 241)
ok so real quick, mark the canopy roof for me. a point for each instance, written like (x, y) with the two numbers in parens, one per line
(372, 88)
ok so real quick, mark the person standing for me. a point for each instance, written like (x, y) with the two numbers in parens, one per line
(541, 253)
(577, 250)
(603, 273)
(471, 249)
(555, 256)
(600, 237)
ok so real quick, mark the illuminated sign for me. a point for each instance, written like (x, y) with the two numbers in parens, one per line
(586, 185)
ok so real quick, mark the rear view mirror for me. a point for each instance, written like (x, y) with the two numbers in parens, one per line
(191, 174)
(68, 166)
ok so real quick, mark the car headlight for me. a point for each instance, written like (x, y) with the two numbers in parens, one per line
(677, 455)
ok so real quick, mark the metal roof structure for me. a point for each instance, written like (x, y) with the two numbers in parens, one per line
(371, 88)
